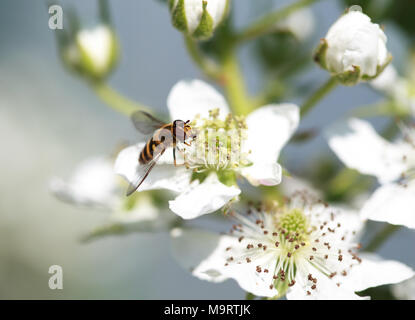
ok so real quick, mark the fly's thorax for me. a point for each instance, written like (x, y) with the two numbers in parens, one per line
(218, 145)
(181, 130)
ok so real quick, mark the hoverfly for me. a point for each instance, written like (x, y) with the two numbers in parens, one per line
(165, 135)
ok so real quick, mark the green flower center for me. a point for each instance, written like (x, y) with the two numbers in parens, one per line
(218, 144)
(294, 222)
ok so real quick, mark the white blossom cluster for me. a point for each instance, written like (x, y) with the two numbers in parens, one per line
(297, 245)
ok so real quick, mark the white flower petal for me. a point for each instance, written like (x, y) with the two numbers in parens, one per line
(327, 289)
(254, 282)
(189, 98)
(269, 129)
(392, 203)
(203, 198)
(163, 176)
(205, 254)
(265, 174)
(200, 252)
(93, 184)
(374, 271)
(358, 145)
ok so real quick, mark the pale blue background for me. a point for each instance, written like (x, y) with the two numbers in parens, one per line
(49, 121)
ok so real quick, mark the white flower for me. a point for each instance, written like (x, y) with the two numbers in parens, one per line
(198, 18)
(405, 290)
(354, 48)
(358, 145)
(94, 185)
(259, 138)
(300, 23)
(93, 52)
(304, 250)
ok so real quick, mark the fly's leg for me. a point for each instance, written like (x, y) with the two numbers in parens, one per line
(174, 156)
(184, 158)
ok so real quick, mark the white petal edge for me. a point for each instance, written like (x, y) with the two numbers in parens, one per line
(392, 203)
(326, 290)
(375, 271)
(203, 198)
(358, 145)
(204, 254)
(189, 98)
(269, 129)
(93, 183)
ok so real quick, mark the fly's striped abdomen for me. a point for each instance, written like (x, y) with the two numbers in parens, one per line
(162, 137)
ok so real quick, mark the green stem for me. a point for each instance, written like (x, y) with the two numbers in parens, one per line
(381, 237)
(234, 85)
(312, 101)
(207, 66)
(265, 24)
(116, 101)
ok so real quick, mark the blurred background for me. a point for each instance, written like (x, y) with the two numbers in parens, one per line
(50, 120)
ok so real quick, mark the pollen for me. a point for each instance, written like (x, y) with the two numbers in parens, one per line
(218, 143)
(294, 222)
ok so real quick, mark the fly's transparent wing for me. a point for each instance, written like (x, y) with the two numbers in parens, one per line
(145, 122)
(141, 174)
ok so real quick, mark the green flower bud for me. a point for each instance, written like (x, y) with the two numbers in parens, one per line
(92, 52)
(198, 18)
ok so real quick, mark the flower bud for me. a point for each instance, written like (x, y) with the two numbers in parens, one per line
(354, 48)
(93, 52)
(198, 18)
